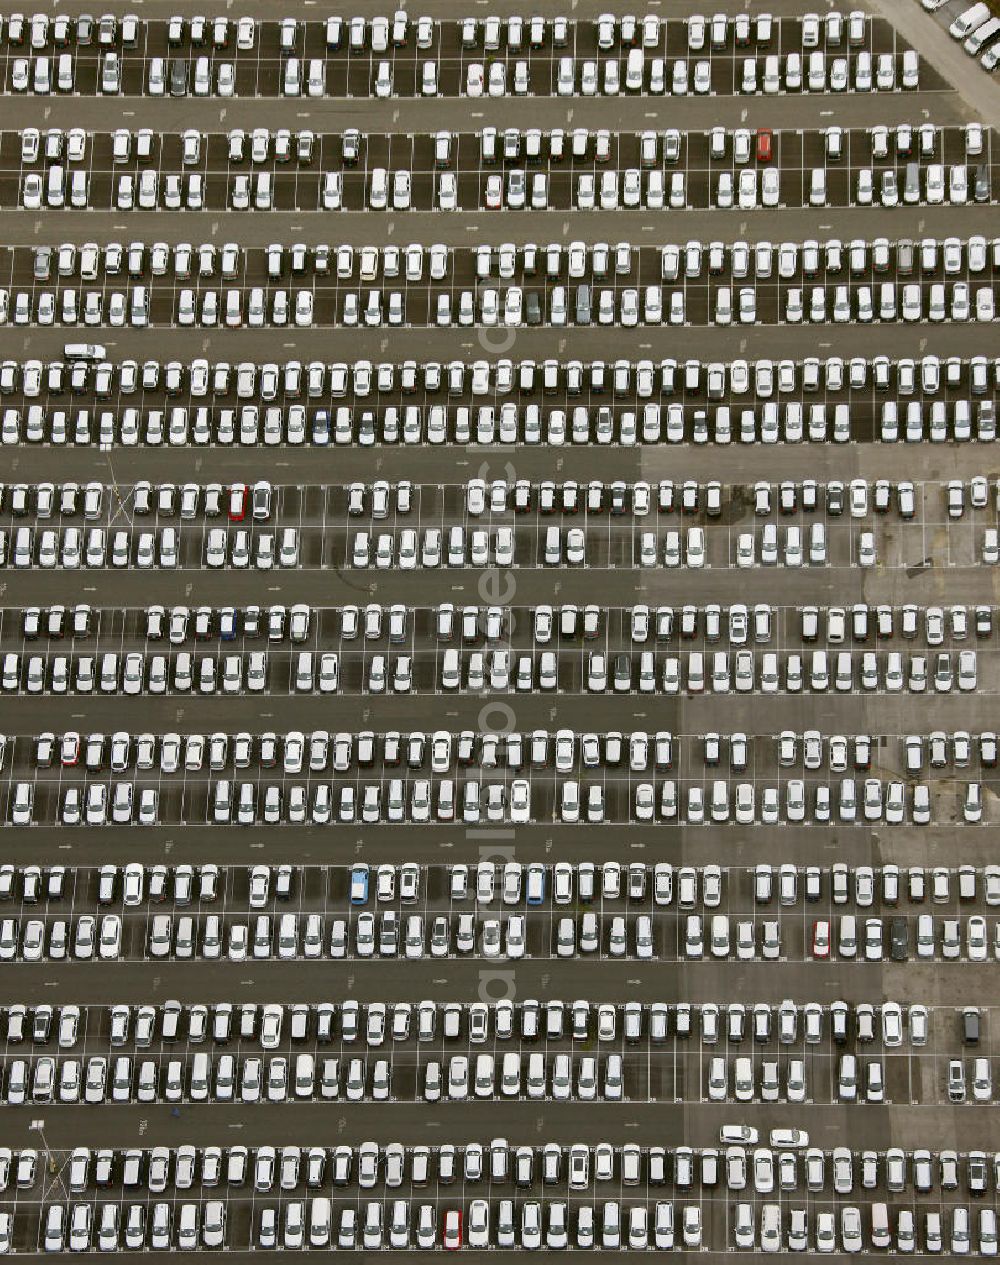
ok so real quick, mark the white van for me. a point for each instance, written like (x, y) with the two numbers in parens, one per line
(611, 1226)
(84, 351)
(960, 1243)
(78, 190)
(847, 1078)
(536, 1075)
(817, 71)
(510, 1080)
(981, 36)
(55, 186)
(847, 940)
(319, 1221)
(987, 1232)
(634, 67)
(881, 1234)
(970, 20)
(817, 544)
(483, 1085)
(201, 1070)
(168, 547)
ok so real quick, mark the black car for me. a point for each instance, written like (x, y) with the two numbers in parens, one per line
(178, 77)
(583, 305)
(899, 948)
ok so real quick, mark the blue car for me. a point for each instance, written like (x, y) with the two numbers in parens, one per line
(321, 427)
(359, 884)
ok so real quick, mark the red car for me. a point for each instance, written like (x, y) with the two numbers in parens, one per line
(237, 502)
(453, 1229)
(764, 147)
(821, 938)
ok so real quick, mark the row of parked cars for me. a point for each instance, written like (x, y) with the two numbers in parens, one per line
(574, 261)
(179, 426)
(564, 883)
(96, 500)
(258, 146)
(371, 1165)
(444, 751)
(308, 1219)
(250, 1078)
(132, 674)
(552, 1224)
(743, 672)
(70, 548)
(627, 189)
(513, 307)
(613, 190)
(957, 1229)
(411, 548)
(295, 751)
(736, 623)
(978, 29)
(556, 1224)
(423, 800)
(110, 1227)
(209, 74)
(742, 145)
(309, 672)
(747, 190)
(87, 371)
(772, 74)
(962, 422)
(379, 498)
(511, 144)
(394, 934)
(639, 624)
(854, 938)
(374, 1024)
(356, 33)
